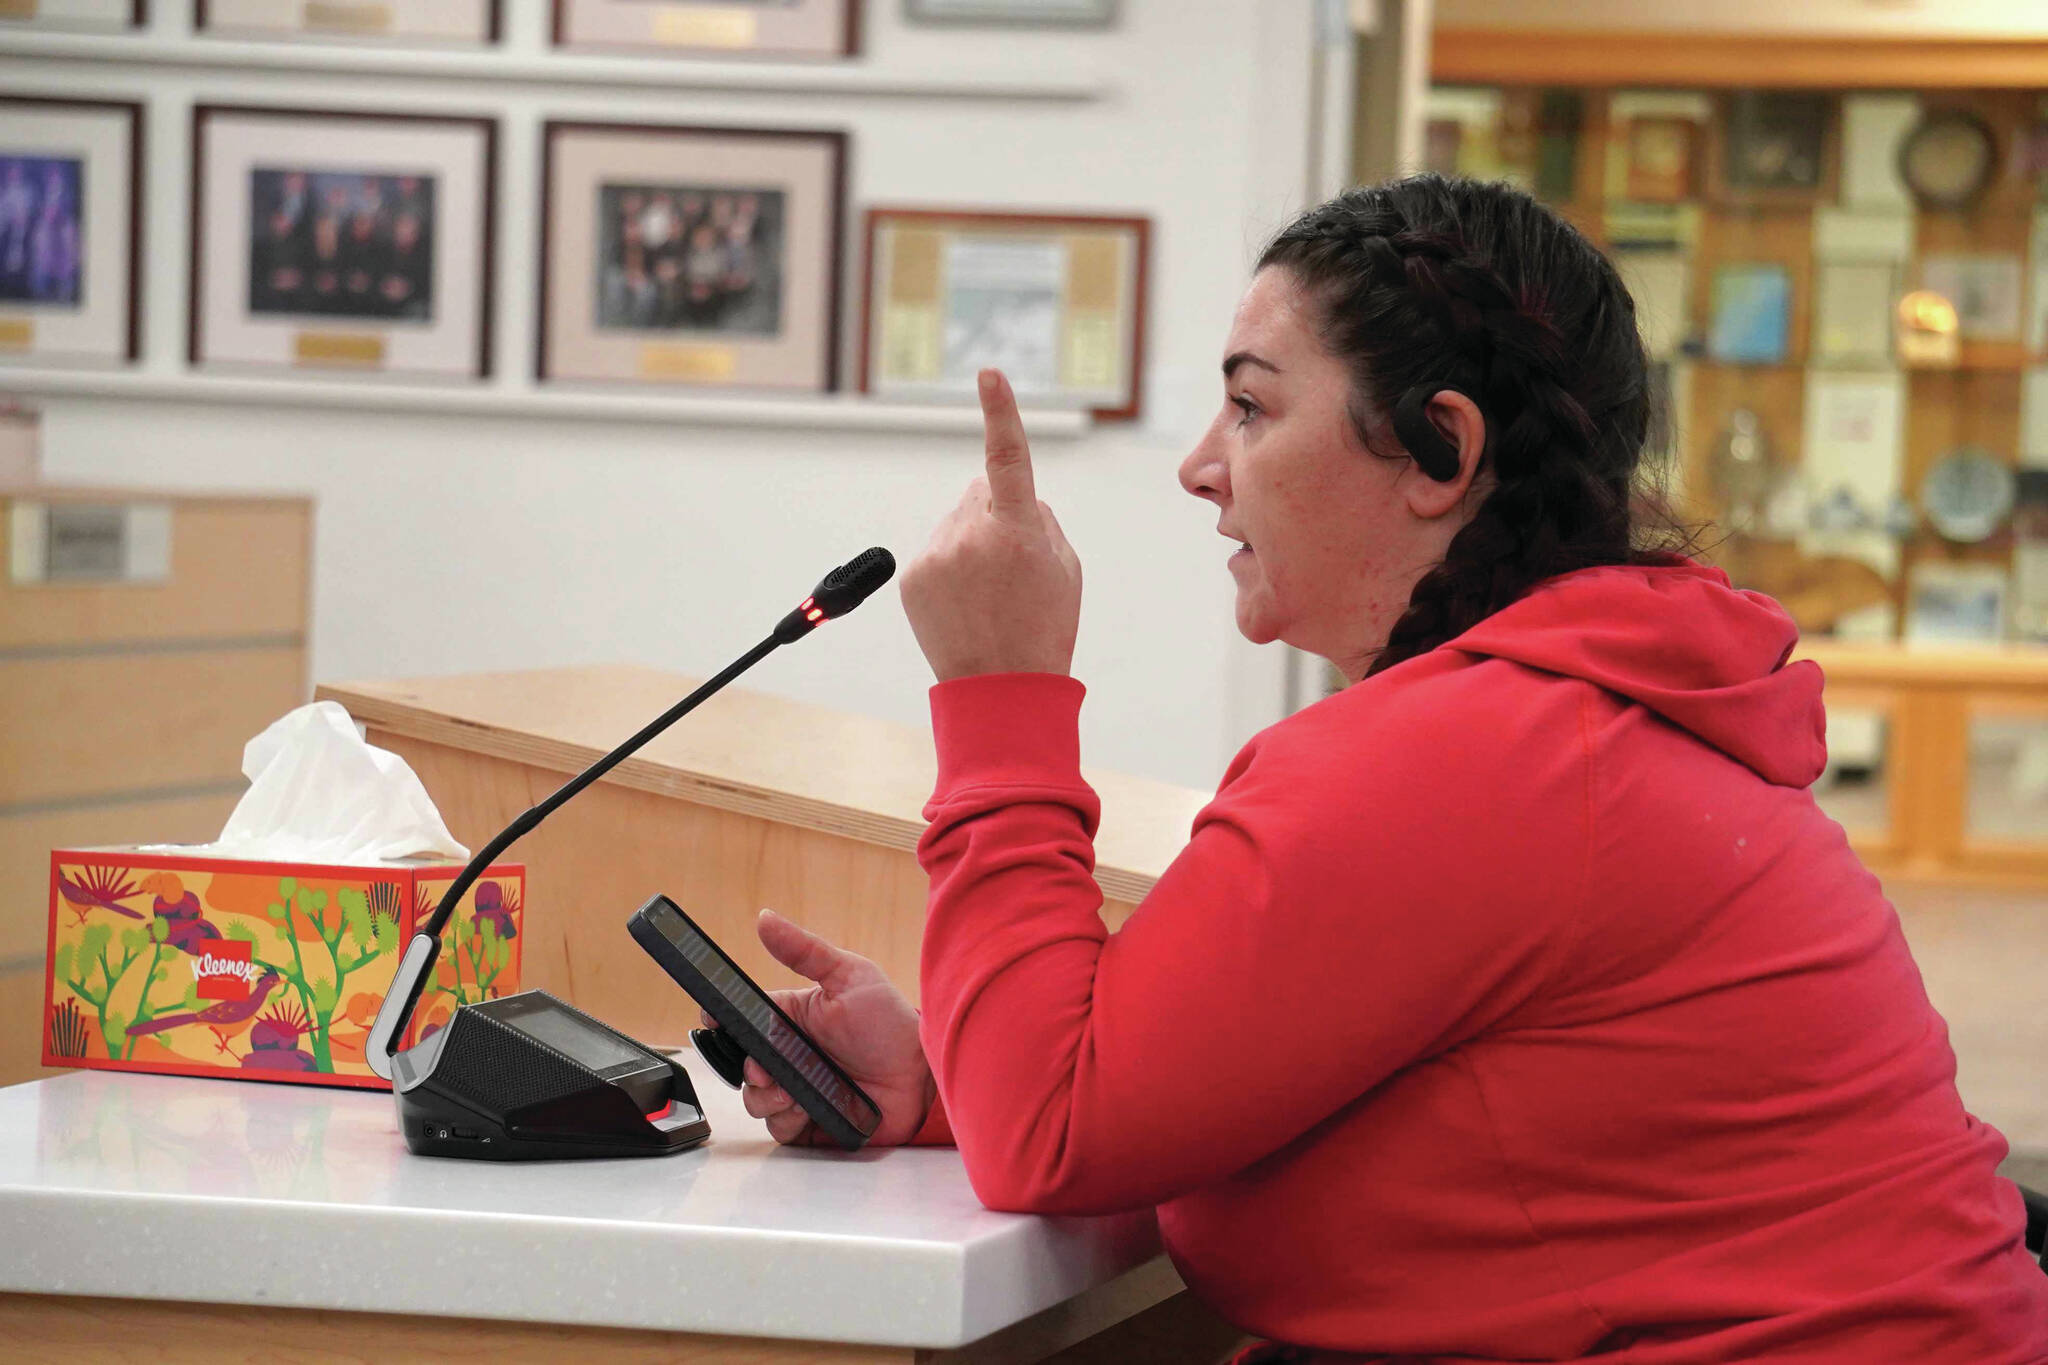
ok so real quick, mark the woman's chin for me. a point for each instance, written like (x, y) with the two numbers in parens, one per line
(1254, 624)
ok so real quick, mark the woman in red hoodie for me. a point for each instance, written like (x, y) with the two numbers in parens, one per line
(1514, 1003)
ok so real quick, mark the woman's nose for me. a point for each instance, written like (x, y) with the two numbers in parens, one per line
(1204, 473)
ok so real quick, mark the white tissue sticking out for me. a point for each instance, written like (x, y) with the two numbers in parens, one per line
(319, 793)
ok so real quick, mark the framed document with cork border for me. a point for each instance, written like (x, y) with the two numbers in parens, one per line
(70, 231)
(755, 28)
(331, 240)
(72, 14)
(426, 21)
(1057, 301)
(691, 256)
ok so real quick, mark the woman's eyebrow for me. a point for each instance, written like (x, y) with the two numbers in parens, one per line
(1237, 358)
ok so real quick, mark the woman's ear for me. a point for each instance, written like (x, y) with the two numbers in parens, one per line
(1461, 423)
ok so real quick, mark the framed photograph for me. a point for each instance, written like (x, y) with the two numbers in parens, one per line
(342, 241)
(454, 21)
(1985, 288)
(759, 28)
(70, 230)
(691, 256)
(1056, 301)
(72, 14)
(1752, 320)
(1853, 305)
(1071, 13)
(1951, 602)
(1776, 147)
(1661, 159)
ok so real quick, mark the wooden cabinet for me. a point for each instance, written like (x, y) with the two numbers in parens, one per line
(144, 637)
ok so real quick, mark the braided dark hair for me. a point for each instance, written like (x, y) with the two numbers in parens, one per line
(1478, 287)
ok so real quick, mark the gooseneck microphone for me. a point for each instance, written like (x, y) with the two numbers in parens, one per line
(838, 593)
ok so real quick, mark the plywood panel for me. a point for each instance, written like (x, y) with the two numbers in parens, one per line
(26, 838)
(602, 855)
(237, 569)
(94, 724)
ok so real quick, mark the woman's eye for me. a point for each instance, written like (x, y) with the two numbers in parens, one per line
(1247, 407)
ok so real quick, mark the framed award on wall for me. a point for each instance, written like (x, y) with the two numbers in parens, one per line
(70, 230)
(1055, 301)
(690, 257)
(450, 21)
(72, 14)
(327, 240)
(751, 28)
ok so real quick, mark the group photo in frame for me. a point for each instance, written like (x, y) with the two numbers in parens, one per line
(95, 15)
(820, 29)
(329, 239)
(427, 21)
(1054, 300)
(1777, 148)
(70, 230)
(691, 256)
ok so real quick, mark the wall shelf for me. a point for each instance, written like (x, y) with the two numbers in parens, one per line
(803, 412)
(499, 66)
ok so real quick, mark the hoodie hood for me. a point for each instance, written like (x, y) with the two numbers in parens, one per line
(1678, 638)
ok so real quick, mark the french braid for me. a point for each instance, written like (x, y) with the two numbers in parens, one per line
(1478, 287)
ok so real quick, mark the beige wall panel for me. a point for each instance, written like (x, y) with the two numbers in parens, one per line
(21, 1026)
(26, 839)
(89, 724)
(237, 569)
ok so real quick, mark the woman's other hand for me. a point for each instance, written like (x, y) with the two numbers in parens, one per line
(861, 1021)
(998, 590)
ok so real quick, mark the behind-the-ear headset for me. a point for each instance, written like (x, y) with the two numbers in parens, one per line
(1434, 454)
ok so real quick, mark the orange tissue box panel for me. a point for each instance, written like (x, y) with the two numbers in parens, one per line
(259, 971)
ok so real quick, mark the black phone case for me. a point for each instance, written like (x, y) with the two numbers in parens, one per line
(737, 1029)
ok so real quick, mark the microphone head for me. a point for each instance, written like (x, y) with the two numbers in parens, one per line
(853, 582)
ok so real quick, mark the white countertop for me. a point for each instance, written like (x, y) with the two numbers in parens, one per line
(156, 1187)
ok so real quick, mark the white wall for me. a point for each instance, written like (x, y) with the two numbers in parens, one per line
(454, 544)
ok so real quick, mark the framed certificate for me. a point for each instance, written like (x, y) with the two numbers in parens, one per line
(693, 257)
(70, 230)
(73, 14)
(456, 21)
(347, 242)
(1056, 301)
(761, 28)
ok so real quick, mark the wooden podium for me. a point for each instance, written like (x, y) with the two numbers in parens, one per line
(750, 801)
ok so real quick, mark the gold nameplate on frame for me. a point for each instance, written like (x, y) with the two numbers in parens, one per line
(17, 334)
(18, 9)
(338, 16)
(704, 26)
(712, 364)
(337, 348)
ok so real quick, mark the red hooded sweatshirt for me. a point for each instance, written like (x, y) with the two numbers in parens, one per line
(1515, 1004)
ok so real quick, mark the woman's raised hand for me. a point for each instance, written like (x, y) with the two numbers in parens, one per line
(861, 1020)
(998, 589)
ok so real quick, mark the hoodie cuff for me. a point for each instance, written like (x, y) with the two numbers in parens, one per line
(1007, 729)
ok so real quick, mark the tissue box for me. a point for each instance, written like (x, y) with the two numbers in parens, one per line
(260, 971)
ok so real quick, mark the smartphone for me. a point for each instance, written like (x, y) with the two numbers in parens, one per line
(749, 1019)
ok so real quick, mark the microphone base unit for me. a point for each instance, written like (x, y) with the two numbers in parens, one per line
(530, 1077)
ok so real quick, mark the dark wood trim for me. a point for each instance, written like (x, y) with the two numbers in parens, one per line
(855, 13)
(1608, 58)
(494, 30)
(837, 139)
(486, 263)
(1139, 226)
(138, 184)
(139, 15)
(201, 20)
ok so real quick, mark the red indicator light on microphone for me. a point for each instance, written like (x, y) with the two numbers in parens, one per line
(662, 1112)
(814, 614)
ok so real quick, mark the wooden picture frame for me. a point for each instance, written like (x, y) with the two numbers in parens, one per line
(1092, 356)
(1663, 160)
(1776, 148)
(117, 16)
(455, 22)
(325, 164)
(691, 256)
(56, 312)
(797, 30)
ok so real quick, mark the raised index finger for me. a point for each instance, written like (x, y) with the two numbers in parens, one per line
(1011, 493)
